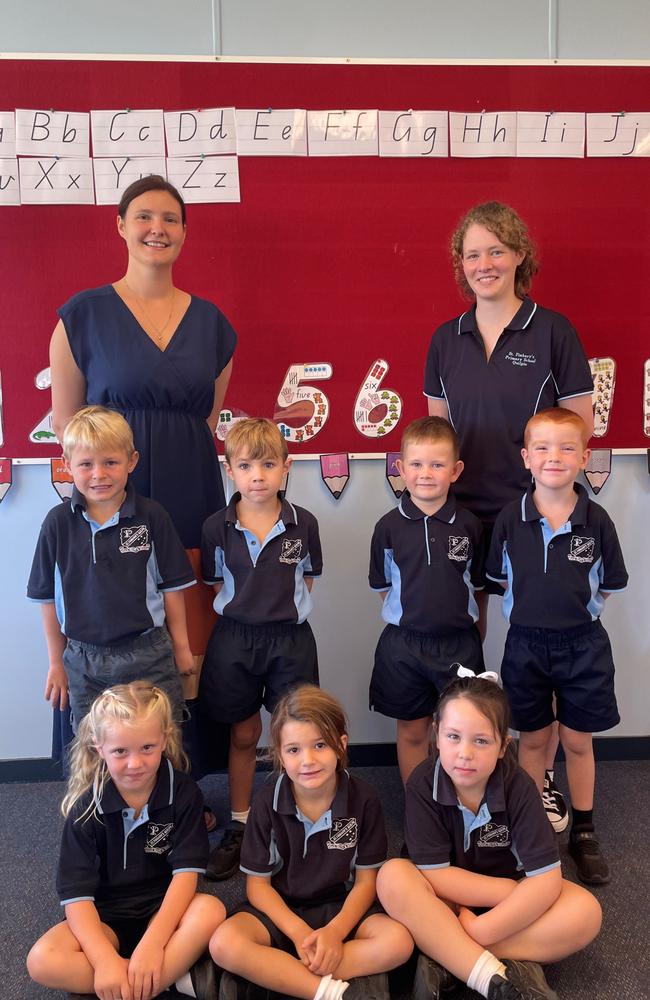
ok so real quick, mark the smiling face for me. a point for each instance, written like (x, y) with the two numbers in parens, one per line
(132, 755)
(257, 479)
(428, 469)
(101, 475)
(555, 453)
(309, 761)
(469, 748)
(489, 265)
(152, 228)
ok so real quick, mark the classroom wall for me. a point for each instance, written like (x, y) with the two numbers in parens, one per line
(346, 619)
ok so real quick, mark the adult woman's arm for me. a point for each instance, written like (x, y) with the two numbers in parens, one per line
(583, 407)
(438, 408)
(220, 387)
(68, 383)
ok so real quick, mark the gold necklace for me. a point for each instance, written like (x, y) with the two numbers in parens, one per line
(158, 331)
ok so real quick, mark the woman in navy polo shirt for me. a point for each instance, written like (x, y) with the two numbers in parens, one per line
(483, 894)
(490, 369)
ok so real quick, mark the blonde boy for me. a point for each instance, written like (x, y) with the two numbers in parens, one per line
(557, 554)
(260, 554)
(109, 571)
(426, 564)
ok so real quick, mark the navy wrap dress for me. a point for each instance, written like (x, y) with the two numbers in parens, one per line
(165, 395)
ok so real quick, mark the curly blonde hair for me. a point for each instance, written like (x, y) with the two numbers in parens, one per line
(124, 704)
(509, 229)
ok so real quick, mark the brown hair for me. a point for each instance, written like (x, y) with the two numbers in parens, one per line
(98, 428)
(430, 430)
(486, 696)
(125, 704)
(308, 703)
(509, 229)
(154, 182)
(557, 415)
(255, 437)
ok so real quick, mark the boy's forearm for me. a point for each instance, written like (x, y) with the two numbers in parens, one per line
(176, 622)
(54, 637)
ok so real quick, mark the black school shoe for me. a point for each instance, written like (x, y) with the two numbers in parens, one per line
(234, 987)
(223, 862)
(526, 979)
(204, 978)
(590, 862)
(368, 988)
(432, 981)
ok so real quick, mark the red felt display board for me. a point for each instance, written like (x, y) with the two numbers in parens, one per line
(343, 260)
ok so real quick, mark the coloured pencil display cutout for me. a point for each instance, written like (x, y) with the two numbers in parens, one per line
(393, 476)
(61, 479)
(335, 472)
(603, 371)
(5, 477)
(598, 468)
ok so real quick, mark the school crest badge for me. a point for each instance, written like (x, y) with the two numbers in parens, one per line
(343, 834)
(291, 551)
(458, 548)
(581, 549)
(135, 539)
(158, 838)
(493, 835)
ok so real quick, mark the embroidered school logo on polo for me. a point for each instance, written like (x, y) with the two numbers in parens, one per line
(458, 548)
(135, 539)
(493, 835)
(343, 834)
(520, 360)
(158, 838)
(581, 549)
(291, 550)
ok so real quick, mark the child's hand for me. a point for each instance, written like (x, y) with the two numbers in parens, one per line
(56, 686)
(112, 979)
(186, 663)
(325, 950)
(144, 970)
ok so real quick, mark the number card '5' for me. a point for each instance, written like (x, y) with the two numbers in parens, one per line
(302, 410)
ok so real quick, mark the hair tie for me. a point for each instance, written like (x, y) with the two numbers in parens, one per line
(487, 675)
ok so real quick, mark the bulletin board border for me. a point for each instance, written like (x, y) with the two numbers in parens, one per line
(309, 60)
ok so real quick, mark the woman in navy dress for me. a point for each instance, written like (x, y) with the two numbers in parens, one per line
(162, 358)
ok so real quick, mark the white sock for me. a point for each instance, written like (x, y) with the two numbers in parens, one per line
(487, 965)
(551, 773)
(322, 988)
(184, 985)
(239, 817)
(330, 989)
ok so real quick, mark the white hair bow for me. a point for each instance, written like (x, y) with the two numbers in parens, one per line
(487, 675)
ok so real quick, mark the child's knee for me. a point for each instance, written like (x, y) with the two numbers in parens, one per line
(402, 943)
(390, 880)
(245, 735)
(226, 945)
(39, 961)
(591, 918)
(206, 909)
(574, 742)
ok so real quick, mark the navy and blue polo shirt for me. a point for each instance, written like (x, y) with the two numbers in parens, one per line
(429, 564)
(122, 864)
(554, 578)
(537, 362)
(509, 836)
(262, 583)
(107, 581)
(312, 861)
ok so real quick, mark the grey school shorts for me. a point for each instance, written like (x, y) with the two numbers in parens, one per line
(149, 658)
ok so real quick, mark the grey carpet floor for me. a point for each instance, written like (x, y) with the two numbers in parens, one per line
(616, 965)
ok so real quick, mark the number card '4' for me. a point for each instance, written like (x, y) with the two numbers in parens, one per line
(376, 410)
(302, 410)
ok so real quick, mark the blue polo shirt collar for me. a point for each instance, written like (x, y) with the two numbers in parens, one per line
(287, 511)
(520, 321)
(110, 800)
(443, 790)
(408, 509)
(529, 511)
(127, 508)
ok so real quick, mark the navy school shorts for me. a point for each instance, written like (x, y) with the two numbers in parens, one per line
(316, 913)
(575, 665)
(247, 666)
(150, 658)
(412, 669)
